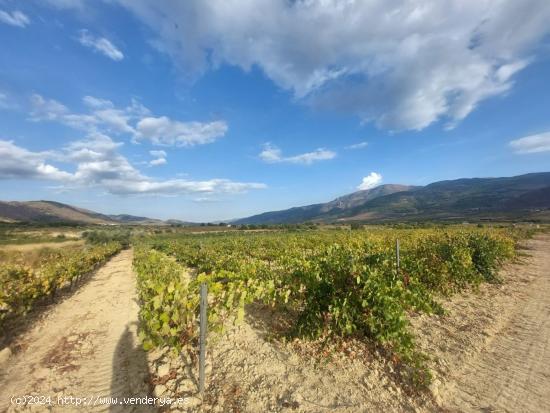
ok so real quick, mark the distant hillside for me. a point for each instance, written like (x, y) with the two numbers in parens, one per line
(131, 219)
(335, 207)
(524, 197)
(519, 197)
(55, 212)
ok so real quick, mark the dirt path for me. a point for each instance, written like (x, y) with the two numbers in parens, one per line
(512, 372)
(85, 346)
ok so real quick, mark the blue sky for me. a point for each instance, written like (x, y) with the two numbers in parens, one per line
(221, 109)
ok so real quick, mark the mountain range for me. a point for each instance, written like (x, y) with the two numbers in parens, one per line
(324, 210)
(523, 197)
(49, 212)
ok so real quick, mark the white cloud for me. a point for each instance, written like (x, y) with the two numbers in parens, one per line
(98, 164)
(158, 161)
(46, 109)
(103, 115)
(21, 163)
(505, 72)
(135, 120)
(160, 158)
(181, 186)
(370, 181)
(402, 64)
(158, 154)
(97, 103)
(532, 143)
(100, 44)
(165, 131)
(43, 109)
(360, 145)
(272, 154)
(16, 18)
(115, 120)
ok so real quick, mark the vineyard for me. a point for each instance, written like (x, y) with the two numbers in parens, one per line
(25, 282)
(329, 283)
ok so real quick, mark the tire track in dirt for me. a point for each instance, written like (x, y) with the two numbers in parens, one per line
(86, 346)
(512, 373)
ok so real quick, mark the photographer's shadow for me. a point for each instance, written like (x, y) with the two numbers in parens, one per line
(130, 376)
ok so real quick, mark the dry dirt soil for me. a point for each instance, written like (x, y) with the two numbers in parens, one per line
(84, 346)
(36, 246)
(490, 353)
(494, 346)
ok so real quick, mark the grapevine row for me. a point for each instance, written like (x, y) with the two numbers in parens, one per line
(335, 283)
(21, 287)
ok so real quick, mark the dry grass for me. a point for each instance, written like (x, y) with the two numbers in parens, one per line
(31, 255)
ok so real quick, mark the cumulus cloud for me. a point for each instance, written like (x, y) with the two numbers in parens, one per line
(370, 181)
(360, 145)
(158, 154)
(102, 116)
(160, 158)
(101, 45)
(135, 120)
(158, 161)
(98, 163)
(165, 131)
(532, 143)
(97, 103)
(46, 109)
(181, 186)
(272, 154)
(16, 18)
(401, 64)
(21, 163)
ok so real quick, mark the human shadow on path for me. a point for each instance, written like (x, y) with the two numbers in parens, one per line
(130, 376)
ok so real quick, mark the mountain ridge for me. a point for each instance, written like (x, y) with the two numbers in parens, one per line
(313, 211)
(524, 196)
(56, 212)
